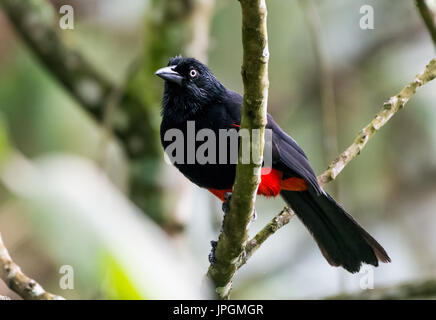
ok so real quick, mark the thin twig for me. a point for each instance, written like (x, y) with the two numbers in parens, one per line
(18, 282)
(231, 242)
(390, 108)
(283, 218)
(428, 18)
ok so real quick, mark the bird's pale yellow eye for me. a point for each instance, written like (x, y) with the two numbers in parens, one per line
(193, 73)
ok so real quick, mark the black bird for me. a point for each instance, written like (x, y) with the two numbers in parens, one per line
(192, 93)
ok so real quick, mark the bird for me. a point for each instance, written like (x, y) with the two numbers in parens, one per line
(192, 94)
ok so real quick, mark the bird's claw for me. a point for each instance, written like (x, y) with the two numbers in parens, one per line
(211, 256)
(226, 203)
(226, 206)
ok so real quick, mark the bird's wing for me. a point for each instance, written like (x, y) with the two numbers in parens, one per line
(289, 157)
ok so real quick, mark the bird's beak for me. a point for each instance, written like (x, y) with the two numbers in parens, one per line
(169, 74)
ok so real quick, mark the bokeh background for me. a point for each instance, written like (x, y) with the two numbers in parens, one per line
(64, 180)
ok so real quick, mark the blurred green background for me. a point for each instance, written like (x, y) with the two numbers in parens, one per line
(64, 184)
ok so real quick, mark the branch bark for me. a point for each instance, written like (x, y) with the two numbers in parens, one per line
(18, 282)
(428, 18)
(232, 240)
(280, 220)
(389, 109)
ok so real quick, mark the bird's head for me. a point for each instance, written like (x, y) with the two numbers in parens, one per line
(189, 86)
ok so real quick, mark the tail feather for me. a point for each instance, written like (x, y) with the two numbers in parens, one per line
(342, 241)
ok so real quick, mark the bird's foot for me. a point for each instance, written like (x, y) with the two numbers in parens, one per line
(211, 256)
(226, 206)
(226, 203)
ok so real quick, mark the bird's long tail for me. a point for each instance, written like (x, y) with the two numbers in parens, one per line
(342, 241)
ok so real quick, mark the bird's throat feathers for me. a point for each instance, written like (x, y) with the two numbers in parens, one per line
(180, 104)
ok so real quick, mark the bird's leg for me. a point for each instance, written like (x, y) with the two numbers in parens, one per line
(226, 206)
(226, 202)
(211, 256)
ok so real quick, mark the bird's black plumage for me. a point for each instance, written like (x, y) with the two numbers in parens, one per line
(192, 93)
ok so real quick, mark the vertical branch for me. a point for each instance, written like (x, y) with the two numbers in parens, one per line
(428, 18)
(234, 235)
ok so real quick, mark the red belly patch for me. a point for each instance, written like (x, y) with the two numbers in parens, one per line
(270, 185)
